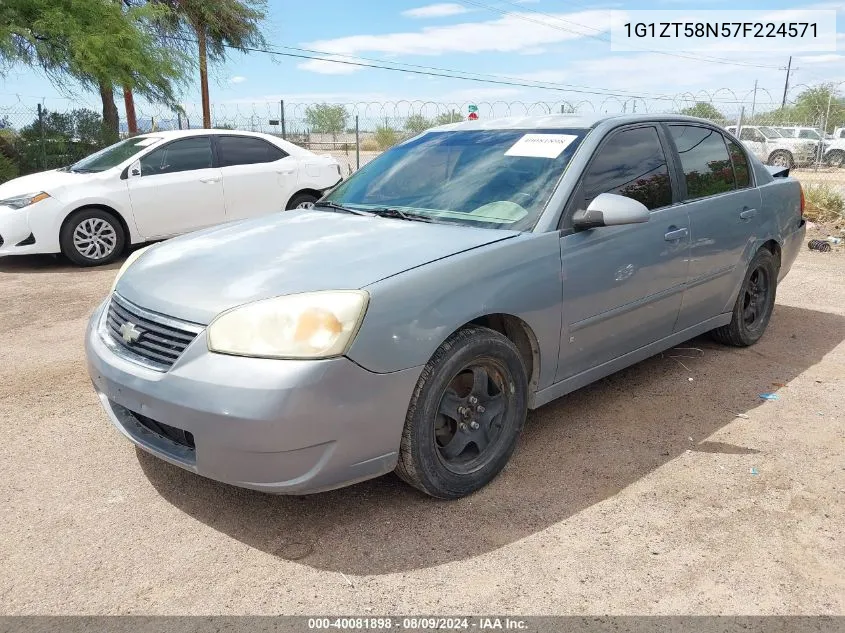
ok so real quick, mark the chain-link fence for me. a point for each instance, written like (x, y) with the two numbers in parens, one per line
(805, 130)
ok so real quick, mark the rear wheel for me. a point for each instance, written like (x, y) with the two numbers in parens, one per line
(781, 158)
(302, 201)
(754, 305)
(92, 237)
(835, 158)
(465, 416)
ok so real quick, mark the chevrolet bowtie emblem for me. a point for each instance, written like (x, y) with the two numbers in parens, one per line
(129, 332)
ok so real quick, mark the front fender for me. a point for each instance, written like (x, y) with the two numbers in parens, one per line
(412, 313)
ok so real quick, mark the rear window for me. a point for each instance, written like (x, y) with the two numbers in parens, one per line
(245, 150)
(708, 170)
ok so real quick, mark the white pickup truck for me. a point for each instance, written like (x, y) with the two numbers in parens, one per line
(834, 153)
(773, 148)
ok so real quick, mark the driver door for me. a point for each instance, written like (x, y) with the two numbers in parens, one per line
(178, 190)
(623, 285)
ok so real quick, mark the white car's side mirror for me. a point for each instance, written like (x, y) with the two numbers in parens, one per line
(134, 170)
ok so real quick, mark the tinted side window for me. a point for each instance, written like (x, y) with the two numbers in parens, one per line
(631, 164)
(184, 155)
(243, 150)
(740, 161)
(704, 158)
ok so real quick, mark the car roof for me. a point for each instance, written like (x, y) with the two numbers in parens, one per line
(174, 134)
(564, 121)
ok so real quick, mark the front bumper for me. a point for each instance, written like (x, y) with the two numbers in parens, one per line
(277, 426)
(31, 224)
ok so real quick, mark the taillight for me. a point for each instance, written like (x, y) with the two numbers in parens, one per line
(802, 198)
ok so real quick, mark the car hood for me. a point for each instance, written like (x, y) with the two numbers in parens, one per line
(49, 181)
(196, 277)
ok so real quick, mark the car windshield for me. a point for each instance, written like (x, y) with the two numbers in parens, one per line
(770, 132)
(113, 155)
(489, 178)
(811, 134)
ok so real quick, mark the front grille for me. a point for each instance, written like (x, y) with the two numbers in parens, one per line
(147, 337)
(178, 436)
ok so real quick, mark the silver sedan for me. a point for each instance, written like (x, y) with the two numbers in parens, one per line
(409, 321)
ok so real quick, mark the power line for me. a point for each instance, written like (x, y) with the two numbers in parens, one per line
(434, 71)
(600, 34)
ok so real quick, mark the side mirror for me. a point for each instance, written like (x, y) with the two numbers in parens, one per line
(609, 209)
(135, 169)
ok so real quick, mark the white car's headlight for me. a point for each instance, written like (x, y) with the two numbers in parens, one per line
(129, 261)
(308, 325)
(19, 202)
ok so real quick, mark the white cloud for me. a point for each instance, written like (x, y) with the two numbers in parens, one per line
(237, 79)
(821, 59)
(509, 34)
(440, 10)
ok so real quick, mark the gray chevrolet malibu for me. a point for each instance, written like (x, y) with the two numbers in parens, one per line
(411, 318)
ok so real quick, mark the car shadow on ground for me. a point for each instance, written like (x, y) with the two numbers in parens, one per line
(575, 452)
(51, 264)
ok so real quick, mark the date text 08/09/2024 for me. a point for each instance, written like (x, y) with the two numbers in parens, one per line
(722, 29)
(418, 623)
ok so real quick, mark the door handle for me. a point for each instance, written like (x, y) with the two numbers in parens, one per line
(284, 172)
(675, 234)
(209, 181)
(747, 214)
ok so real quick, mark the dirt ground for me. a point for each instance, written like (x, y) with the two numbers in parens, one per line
(645, 493)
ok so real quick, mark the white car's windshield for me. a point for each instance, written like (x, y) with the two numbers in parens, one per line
(113, 155)
(492, 178)
(770, 132)
(811, 134)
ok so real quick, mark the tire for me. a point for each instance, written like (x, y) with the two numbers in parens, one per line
(753, 308)
(834, 158)
(451, 455)
(302, 201)
(781, 158)
(75, 238)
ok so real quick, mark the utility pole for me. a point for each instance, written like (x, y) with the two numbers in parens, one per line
(754, 100)
(786, 83)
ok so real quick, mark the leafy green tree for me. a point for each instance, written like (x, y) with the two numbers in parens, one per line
(417, 123)
(704, 110)
(213, 27)
(60, 138)
(385, 136)
(453, 116)
(811, 107)
(96, 42)
(326, 118)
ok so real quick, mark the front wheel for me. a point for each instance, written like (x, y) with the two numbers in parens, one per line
(754, 305)
(781, 158)
(465, 416)
(92, 237)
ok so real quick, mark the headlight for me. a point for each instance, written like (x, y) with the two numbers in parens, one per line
(129, 261)
(19, 202)
(307, 325)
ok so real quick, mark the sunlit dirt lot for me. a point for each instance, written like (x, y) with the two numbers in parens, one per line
(645, 493)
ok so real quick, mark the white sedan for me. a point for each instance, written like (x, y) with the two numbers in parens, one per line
(155, 186)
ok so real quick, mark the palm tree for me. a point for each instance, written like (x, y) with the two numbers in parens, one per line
(216, 26)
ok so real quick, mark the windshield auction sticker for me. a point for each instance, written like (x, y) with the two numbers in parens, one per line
(541, 145)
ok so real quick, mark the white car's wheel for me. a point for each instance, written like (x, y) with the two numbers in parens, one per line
(302, 201)
(92, 237)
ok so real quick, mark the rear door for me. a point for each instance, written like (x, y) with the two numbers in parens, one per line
(724, 212)
(258, 176)
(622, 285)
(179, 189)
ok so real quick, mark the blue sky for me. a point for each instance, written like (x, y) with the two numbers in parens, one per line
(556, 41)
